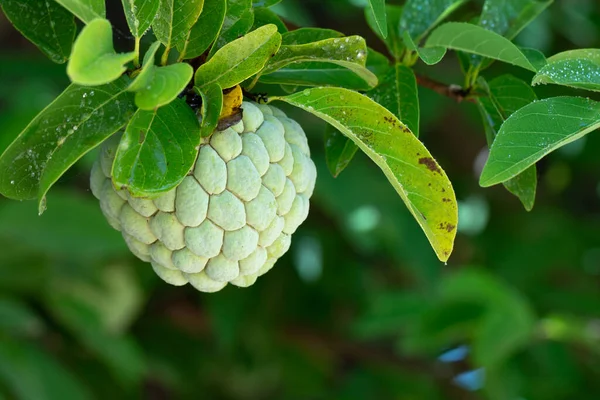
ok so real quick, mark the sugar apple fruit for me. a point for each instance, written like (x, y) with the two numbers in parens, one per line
(232, 216)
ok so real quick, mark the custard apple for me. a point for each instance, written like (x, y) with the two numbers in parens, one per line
(232, 216)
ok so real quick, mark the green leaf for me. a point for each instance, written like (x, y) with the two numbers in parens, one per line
(17, 319)
(264, 16)
(205, 30)
(444, 322)
(536, 130)
(508, 323)
(576, 68)
(212, 105)
(377, 63)
(240, 59)
(157, 150)
(85, 10)
(477, 40)
(327, 74)
(264, 3)
(98, 241)
(308, 35)
(339, 150)
(94, 60)
(157, 86)
(114, 295)
(46, 24)
(508, 94)
(420, 16)
(509, 17)
(73, 124)
(397, 92)
(349, 52)
(320, 74)
(377, 9)
(174, 21)
(393, 41)
(238, 21)
(164, 85)
(289, 89)
(119, 352)
(140, 14)
(29, 372)
(416, 176)
(430, 56)
(145, 75)
(390, 311)
(524, 186)
(535, 57)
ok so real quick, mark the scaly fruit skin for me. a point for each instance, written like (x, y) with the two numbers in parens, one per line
(232, 217)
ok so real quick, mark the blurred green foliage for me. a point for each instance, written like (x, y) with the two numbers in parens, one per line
(359, 308)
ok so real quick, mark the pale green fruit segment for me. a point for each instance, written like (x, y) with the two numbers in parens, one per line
(287, 162)
(252, 117)
(243, 180)
(239, 244)
(271, 133)
(254, 148)
(191, 203)
(166, 201)
(210, 170)
(186, 261)
(232, 217)
(274, 179)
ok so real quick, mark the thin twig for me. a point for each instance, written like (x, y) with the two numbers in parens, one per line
(454, 92)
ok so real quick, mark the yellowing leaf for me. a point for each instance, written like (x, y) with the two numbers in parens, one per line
(408, 165)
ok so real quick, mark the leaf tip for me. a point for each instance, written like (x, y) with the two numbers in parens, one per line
(42, 205)
(485, 180)
(444, 255)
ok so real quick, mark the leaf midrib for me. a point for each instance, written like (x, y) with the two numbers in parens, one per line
(382, 163)
(530, 160)
(224, 73)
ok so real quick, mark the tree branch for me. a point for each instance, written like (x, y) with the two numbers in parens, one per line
(454, 92)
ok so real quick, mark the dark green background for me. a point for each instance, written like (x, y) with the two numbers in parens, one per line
(357, 309)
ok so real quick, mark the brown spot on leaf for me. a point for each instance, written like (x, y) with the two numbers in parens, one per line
(390, 120)
(430, 164)
(447, 226)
